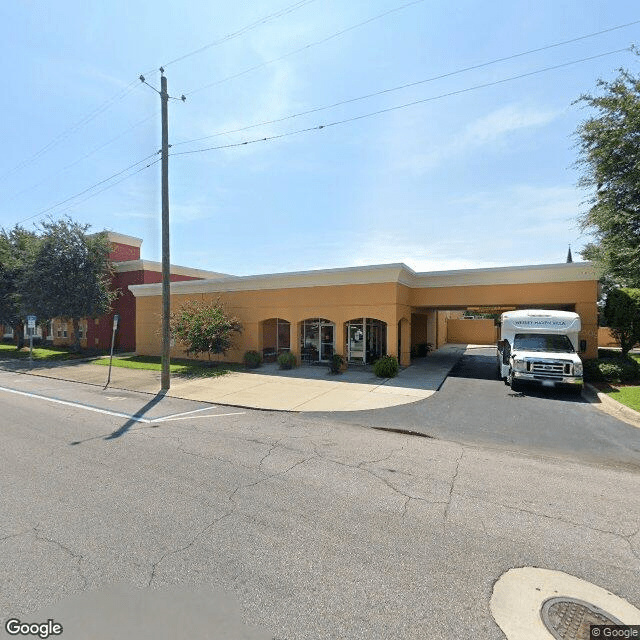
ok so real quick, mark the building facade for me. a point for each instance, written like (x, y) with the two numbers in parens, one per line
(365, 312)
(129, 270)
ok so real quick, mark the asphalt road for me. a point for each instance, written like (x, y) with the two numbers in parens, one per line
(474, 407)
(318, 529)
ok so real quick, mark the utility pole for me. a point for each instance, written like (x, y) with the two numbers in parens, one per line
(165, 379)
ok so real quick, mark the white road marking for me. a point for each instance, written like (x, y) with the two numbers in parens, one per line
(76, 405)
(117, 414)
(215, 415)
(184, 413)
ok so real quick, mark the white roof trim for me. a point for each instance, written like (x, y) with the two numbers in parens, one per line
(149, 265)
(397, 273)
(120, 238)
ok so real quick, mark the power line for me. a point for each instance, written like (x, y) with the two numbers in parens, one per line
(117, 182)
(307, 46)
(84, 157)
(408, 85)
(264, 20)
(93, 186)
(402, 106)
(131, 87)
(72, 129)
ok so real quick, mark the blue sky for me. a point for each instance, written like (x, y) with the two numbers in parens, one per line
(482, 178)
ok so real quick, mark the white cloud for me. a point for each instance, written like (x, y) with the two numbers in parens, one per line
(489, 131)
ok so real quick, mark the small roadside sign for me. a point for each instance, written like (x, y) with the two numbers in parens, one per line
(116, 319)
(31, 326)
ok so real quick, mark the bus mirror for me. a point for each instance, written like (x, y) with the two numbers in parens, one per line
(583, 346)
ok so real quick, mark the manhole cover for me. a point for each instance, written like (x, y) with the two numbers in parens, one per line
(570, 619)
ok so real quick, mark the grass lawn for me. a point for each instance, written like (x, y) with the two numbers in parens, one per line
(629, 396)
(39, 353)
(181, 367)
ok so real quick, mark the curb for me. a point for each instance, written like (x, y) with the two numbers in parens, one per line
(612, 407)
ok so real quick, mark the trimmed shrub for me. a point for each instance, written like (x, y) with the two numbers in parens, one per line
(287, 360)
(421, 350)
(386, 367)
(614, 370)
(336, 363)
(252, 359)
(592, 371)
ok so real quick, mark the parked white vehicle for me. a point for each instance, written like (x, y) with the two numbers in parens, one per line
(541, 347)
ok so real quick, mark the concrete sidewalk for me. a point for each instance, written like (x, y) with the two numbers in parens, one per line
(306, 388)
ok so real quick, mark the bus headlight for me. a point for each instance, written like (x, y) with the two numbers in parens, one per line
(519, 365)
(577, 369)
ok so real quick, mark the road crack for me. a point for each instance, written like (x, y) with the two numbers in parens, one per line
(230, 498)
(451, 489)
(627, 538)
(361, 467)
(78, 557)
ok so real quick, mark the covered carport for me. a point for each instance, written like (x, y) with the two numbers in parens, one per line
(437, 300)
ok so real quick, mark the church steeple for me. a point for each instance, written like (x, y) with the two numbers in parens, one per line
(569, 258)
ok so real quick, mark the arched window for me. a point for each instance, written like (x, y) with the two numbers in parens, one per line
(276, 338)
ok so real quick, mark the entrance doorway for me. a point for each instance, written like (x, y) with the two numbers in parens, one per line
(366, 340)
(317, 340)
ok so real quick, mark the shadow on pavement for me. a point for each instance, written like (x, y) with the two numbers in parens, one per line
(481, 365)
(138, 414)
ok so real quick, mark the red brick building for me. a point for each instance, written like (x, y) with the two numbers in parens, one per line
(129, 269)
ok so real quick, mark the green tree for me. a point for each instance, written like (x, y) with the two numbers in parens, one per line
(205, 328)
(67, 274)
(622, 314)
(609, 146)
(14, 245)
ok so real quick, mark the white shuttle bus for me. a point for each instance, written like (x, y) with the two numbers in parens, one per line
(540, 347)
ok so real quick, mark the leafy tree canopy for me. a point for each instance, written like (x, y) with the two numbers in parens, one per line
(609, 146)
(66, 273)
(14, 245)
(205, 328)
(622, 313)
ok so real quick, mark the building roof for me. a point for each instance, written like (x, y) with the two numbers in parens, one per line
(398, 273)
(120, 238)
(150, 265)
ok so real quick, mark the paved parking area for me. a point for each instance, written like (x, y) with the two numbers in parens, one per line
(474, 407)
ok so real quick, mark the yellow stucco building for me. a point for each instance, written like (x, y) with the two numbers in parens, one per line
(365, 312)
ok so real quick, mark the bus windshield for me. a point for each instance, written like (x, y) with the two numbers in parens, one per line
(543, 342)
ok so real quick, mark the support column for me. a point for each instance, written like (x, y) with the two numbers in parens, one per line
(588, 312)
(338, 339)
(294, 339)
(392, 339)
(405, 343)
(259, 339)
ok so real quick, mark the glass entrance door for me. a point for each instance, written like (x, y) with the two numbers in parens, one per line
(326, 342)
(316, 340)
(366, 340)
(356, 342)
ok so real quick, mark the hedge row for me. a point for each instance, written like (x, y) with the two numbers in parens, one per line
(614, 370)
